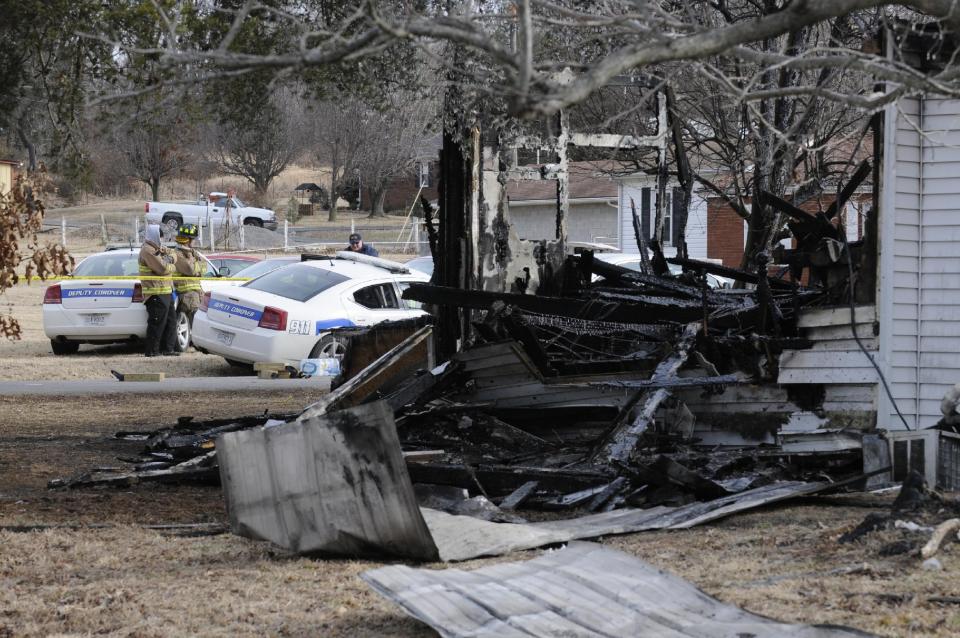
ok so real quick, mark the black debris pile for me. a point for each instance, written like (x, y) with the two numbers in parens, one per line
(920, 522)
(571, 402)
(182, 453)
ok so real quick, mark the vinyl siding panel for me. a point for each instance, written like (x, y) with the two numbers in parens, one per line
(920, 341)
(696, 233)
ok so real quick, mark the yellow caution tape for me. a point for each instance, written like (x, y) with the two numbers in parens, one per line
(134, 277)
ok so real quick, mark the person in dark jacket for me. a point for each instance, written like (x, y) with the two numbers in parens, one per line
(357, 246)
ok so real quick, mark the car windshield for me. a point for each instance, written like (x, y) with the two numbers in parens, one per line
(108, 265)
(299, 282)
(262, 267)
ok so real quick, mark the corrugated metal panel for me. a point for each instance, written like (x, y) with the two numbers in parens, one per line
(584, 589)
(334, 484)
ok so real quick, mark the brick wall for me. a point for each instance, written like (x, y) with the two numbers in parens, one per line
(403, 190)
(724, 233)
(726, 230)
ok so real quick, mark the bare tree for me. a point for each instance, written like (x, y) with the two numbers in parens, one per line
(157, 144)
(260, 145)
(398, 135)
(517, 49)
(339, 130)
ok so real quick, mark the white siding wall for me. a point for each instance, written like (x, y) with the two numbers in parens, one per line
(591, 221)
(920, 258)
(696, 221)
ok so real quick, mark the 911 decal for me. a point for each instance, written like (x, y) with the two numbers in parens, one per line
(299, 327)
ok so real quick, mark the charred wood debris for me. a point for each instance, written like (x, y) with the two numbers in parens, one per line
(565, 402)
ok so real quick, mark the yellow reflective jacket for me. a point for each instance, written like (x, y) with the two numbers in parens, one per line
(189, 264)
(156, 261)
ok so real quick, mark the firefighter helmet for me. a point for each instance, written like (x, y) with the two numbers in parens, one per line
(186, 232)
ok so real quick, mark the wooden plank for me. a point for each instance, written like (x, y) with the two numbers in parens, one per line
(872, 344)
(808, 375)
(828, 333)
(620, 443)
(844, 359)
(368, 375)
(264, 365)
(423, 456)
(835, 316)
(485, 351)
(144, 376)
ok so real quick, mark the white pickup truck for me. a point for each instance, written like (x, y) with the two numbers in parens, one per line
(214, 209)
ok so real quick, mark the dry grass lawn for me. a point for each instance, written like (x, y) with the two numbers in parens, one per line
(123, 580)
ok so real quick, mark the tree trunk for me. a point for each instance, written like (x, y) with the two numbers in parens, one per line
(27, 144)
(155, 188)
(378, 196)
(332, 216)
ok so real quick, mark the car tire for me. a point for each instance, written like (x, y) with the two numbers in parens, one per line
(64, 347)
(253, 221)
(330, 346)
(183, 331)
(171, 223)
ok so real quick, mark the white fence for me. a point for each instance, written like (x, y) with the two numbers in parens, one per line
(218, 237)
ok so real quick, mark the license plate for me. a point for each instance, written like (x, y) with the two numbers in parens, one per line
(226, 338)
(99, 319)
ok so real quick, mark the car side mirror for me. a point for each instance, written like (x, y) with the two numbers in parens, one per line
(224, 271)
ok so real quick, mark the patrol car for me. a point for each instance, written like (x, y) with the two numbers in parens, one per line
(95, 310)
(289, 314)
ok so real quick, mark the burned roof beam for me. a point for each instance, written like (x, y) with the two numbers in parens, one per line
(863, 170)
(617, 447)
(725, 271)
(632, 309)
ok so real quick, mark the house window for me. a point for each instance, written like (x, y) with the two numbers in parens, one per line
(649, 201)
(668, 220)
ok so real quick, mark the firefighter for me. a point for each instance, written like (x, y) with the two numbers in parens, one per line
(156, 267)
(189, 264)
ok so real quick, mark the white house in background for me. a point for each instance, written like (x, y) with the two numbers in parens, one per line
(640, 191)
(592, 215)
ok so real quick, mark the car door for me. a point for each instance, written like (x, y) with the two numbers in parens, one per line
(373, 302)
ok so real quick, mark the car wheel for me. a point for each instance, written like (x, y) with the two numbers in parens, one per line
(64, 347)
(329, 346)
(171, 224)
(183, 330)
(252, 221)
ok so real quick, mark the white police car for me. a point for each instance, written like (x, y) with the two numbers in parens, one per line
(287, 315)
(96, 310)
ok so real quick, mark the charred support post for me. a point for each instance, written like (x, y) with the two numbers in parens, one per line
(620, 444)
(641, 240)
(683, 175)
(450, 254)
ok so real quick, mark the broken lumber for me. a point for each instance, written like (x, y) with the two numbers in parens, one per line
(939, 536)
(617, 447)
(376, 369)
(138, 376)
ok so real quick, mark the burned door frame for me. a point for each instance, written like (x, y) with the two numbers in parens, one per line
(478, 247)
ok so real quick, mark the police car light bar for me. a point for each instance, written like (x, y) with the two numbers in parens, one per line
(386, 264)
